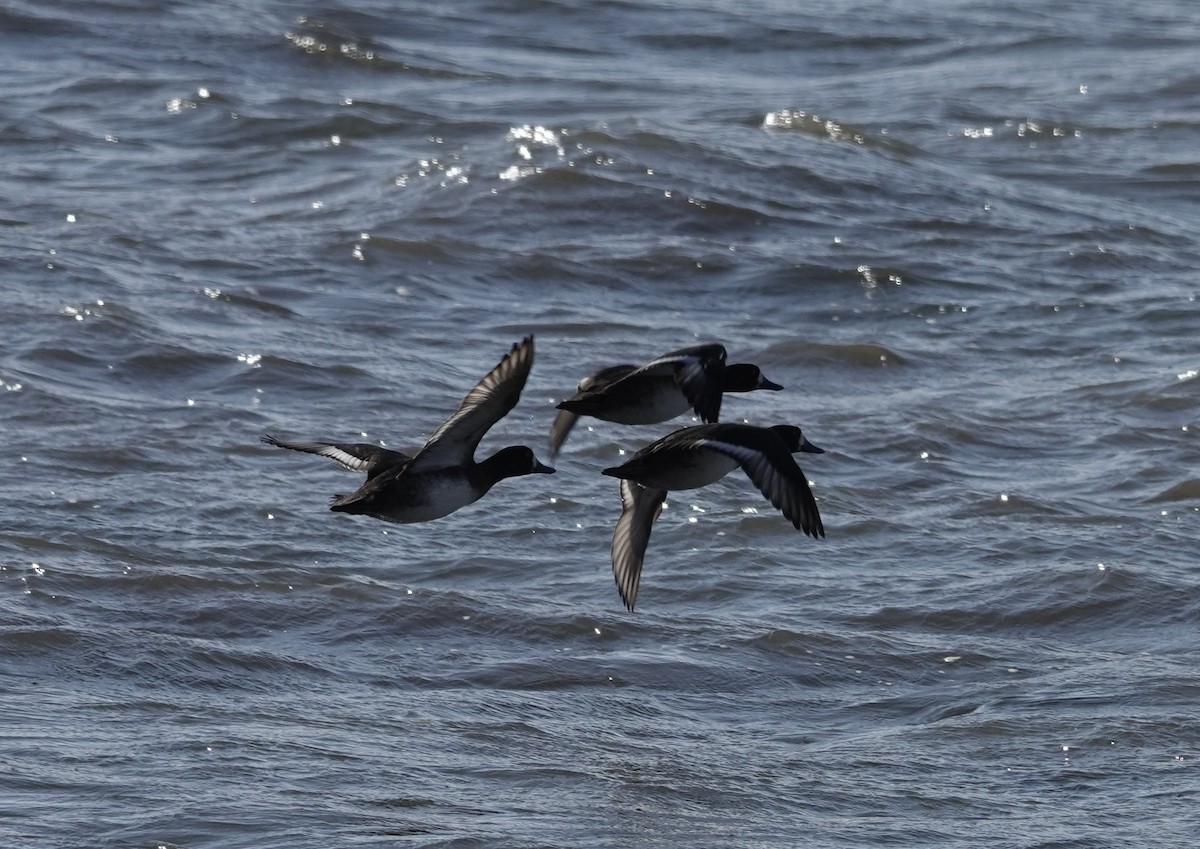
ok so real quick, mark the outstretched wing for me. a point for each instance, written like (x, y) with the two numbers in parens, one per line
(454, 443)
(560, 429)
(779, 479)
(355, 456)
(640, 507)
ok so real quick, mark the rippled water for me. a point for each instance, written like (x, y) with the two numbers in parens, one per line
(964, 238)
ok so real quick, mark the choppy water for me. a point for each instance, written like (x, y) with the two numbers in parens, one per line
(964, 237)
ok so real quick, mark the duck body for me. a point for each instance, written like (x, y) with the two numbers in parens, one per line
(677, 468)
(697, 456)
(405, 496)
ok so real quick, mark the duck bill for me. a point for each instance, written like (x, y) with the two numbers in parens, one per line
(540, 468)
(808, 448)
(763, 383)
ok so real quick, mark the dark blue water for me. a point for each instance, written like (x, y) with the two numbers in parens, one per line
(963, 237)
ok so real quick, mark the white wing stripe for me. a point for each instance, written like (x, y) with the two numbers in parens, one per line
(354, 464)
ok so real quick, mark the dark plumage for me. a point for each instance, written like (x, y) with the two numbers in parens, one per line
(690, 378)
(693, 457)
(443, 476)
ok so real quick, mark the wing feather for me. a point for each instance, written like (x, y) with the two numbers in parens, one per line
(700, 375)
(454, 443)
(560, 429)
(355, 456)
(699, 372)
(640, 508)
(779, 479)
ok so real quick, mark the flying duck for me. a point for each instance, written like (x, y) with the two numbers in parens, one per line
(443, 476)
(690, 378)
(693, 457)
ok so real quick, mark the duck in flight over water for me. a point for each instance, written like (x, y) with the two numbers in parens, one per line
(443, 476)
(693, 457)
(691, 378)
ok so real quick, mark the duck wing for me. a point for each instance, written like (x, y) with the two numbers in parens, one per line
(699, 373)
(454, 443)
(640, 507)
(372, 488)
(560, 429)
(771, 468)
(355, 456)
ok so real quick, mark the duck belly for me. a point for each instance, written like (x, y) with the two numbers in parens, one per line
(689, 471)
(637, 402)
(661, 405)
(423, 499)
